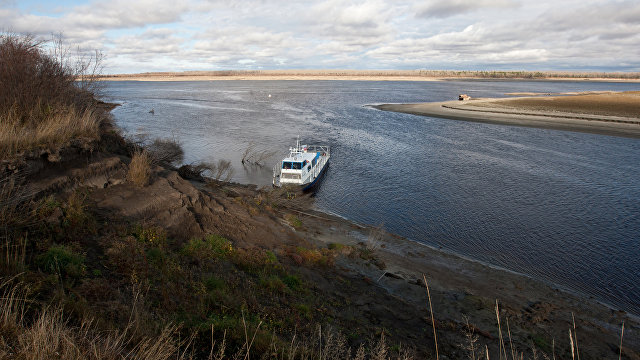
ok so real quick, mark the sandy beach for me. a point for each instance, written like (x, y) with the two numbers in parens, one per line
(616, 114)
(360, 75)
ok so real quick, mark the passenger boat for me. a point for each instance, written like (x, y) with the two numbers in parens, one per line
(304, 166)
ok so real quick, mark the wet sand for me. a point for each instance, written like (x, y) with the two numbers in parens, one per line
(616, 114)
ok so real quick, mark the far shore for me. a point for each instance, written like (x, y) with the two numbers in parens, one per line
(371, 75)
(609, 113)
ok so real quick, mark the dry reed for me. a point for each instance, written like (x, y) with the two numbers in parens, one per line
(502, 347)
(621, 335)
(575, 335)
(433, 323)
(53, 131)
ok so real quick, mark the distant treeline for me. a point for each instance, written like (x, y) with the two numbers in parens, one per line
(398, 73)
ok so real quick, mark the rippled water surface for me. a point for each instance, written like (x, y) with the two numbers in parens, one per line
(559, 206)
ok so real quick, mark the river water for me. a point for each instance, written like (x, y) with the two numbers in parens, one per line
(558, 206)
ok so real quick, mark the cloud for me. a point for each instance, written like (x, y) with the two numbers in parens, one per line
(119, 14)
(97, 16)
(152, 42)
(148, 35)
(448, 8)
(356, 24)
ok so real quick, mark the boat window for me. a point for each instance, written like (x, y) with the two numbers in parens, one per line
(286, 165)
(296, 166)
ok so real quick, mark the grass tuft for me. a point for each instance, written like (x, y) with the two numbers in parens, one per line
(140, 169)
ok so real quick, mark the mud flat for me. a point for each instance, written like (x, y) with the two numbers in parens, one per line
(616, 114)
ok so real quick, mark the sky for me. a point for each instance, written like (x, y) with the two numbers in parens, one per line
(178, 35)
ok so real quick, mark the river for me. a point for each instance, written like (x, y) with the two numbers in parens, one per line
(558, 206)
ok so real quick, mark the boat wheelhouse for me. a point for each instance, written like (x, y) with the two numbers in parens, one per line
(304, 166)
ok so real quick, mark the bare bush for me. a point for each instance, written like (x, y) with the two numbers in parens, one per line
(254, 156)
(223, 170)
(219, 171)
(36, 84)
(195, 171)
(374, 240)
(140, 169)
(166, 152)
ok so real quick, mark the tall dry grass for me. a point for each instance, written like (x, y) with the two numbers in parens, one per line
(30, 333)
(27, 333)
(140, 169)
(52, 131)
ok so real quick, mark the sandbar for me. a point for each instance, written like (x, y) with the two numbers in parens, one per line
(606, 113)
(368, 75)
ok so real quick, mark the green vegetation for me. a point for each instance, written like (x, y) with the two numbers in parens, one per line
(60, 259)
(211, 247)
(294, 221)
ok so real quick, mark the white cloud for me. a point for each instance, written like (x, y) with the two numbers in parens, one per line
(167, 35)
(448, 8)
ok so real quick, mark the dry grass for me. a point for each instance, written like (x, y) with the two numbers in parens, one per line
(52, 132)
(45, 334)
(140, 169)
(28, 333)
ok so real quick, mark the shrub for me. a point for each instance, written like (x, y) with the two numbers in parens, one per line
(61, 259)
(256, 260)
(323, 257)
(140, 169)
(166, 151)
(194, 171)
(154, 235)
(294, 221)
(273, 283)
(77, 221)
(213, 283)
(211, 247)
(293, 282)
(41, 104)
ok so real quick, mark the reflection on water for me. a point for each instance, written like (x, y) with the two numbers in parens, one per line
(563, 207)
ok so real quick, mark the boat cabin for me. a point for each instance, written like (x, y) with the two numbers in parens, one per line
(304, 166)
(297, 166)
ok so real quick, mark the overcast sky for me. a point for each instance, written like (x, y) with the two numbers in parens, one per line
(176, 35)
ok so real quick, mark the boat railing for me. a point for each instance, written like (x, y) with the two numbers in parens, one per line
(319, 148)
